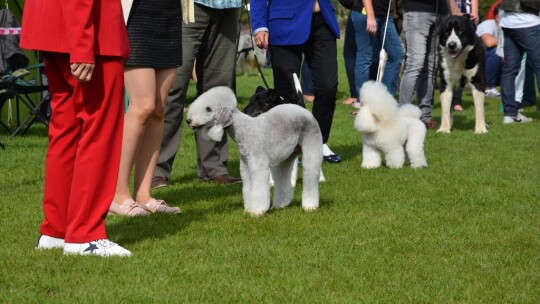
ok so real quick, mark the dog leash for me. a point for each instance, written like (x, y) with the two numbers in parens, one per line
(382, 54)
(252, 48)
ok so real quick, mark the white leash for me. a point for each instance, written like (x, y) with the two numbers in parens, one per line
(382, 54)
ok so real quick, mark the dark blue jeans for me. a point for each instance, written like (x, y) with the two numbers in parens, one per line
(367, 45)
(493, 67)
(517, 42)
(349, 55)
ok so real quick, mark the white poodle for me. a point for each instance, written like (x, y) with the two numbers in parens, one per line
(387, 128)
(267, 143)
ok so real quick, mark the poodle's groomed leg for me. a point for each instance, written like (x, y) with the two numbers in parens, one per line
(415, 145)
(371, 158)
(394, 157)
(246, 183)
(294, 172)
(259, 190)
(283, 189)
(311, 171)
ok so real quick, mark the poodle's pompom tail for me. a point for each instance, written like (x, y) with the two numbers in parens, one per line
(381, 103)
(410, 110)
(215, 133)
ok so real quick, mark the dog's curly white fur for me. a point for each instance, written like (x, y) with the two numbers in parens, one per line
(389, 129)
(266, 143)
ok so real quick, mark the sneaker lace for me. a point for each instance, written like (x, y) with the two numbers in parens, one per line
(104, 243)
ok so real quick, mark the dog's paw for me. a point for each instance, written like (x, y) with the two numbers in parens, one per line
(321, 177)
(481, 130)
(418, 165)
(370, 166)
(255, 214)
(443, 130)
(309, 208)
(280, 205)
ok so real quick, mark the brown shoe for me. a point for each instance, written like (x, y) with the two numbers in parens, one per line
(226, 179)
(159, 182)
(431, 123)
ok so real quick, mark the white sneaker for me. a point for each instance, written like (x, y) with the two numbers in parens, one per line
(49, 242)
(520, 118)
(103, 247)
(493, 93)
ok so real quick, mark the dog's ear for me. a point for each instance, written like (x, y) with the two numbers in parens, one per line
(223, 120)
(365, 121)
(259, 89)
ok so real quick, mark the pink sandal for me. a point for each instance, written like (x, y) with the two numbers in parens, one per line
(128, 208)
(155, 205)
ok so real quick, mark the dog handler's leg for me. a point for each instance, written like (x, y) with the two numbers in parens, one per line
(480, 123)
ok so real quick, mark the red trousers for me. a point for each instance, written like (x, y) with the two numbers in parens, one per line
(85, 141)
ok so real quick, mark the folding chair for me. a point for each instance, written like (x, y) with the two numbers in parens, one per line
(13, 69)
(21, 90)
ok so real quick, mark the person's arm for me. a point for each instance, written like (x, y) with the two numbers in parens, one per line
(454, 9)
(474, 11)
(258, 10)
(79, 19)
(489, 40)
(371, 26)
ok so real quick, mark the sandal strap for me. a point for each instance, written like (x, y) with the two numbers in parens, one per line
(157, 205)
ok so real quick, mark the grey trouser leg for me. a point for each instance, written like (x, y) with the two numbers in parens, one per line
(421, 38)
(212, 41)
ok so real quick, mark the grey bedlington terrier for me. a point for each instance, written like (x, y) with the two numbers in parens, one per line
(267, 143)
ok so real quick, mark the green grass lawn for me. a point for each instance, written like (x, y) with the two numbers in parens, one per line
(466, 229)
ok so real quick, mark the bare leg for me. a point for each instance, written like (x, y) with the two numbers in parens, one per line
(143, 128)
(148, 149)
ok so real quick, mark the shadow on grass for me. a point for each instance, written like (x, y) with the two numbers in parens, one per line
(198, 200)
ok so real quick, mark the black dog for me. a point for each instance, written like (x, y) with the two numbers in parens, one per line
(462, 60)
(263, 100)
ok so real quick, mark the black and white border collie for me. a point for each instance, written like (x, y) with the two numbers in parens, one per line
(462, 60)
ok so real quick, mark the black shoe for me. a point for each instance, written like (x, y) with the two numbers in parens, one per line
(226, 179)
(333, 158)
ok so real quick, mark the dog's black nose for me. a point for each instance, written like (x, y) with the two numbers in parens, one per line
(452, 45)
(188, 121)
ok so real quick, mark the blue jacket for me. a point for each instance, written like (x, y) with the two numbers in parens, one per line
(289, 21)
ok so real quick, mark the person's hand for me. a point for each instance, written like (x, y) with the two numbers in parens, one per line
(475, 18)
(371, 26)
(82, 71)
(261, 40)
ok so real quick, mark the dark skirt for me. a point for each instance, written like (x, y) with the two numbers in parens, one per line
(155, 34)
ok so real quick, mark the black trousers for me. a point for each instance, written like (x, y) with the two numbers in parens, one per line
(320, 52)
